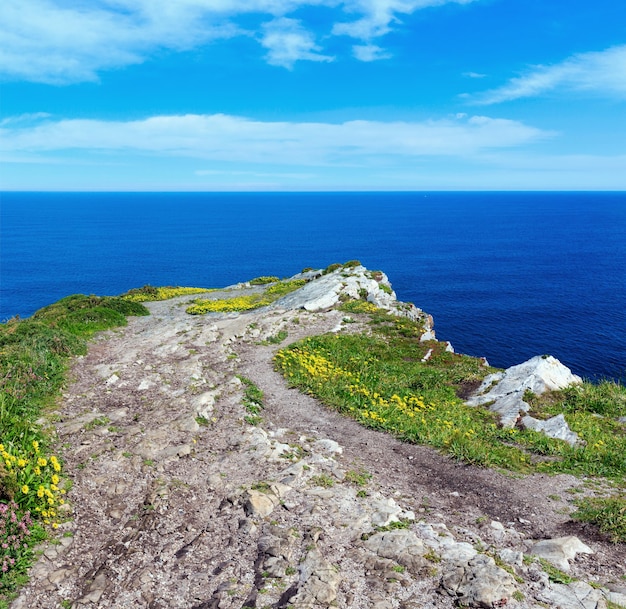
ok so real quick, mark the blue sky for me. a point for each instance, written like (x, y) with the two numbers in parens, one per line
(321, 95)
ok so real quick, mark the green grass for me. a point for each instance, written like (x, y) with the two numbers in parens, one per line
(34, 357)
(247, 302)
(608, 513)
(252, 401)
(264, 280)
(150, 293)
(276, 339)
(380, 380)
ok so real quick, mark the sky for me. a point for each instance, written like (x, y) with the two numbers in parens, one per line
(296, 95)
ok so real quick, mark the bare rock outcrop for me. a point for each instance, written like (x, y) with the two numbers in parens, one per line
(503, 393)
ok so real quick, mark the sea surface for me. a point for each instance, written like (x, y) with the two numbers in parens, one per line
(505, 275)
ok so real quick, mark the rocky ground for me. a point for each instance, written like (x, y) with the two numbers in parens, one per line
(178, 502)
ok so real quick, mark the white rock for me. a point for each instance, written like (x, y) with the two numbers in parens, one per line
(511, 557)
(538, 374)
(112, 379)
(577, 595)
(459, 552)
(554, 427)
(560, 551)
(328, 446)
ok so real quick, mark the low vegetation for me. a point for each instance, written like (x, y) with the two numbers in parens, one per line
(149, 293)
(253, 401)
(34, 355)
(273, 292)
(384, 380)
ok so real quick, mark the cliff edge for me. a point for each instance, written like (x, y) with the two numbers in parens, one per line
(202, 479)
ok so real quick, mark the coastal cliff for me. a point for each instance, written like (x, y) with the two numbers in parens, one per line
(213, 463)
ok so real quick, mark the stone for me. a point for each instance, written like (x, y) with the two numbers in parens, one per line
(478, 583)
(259, 504)
(554, 427)
(204, 403)
(459, 552)
(328, 446)
(560, 551)
(319, 581)
(577, 595)
(386, 510)
(400, 545)
(503, 392)
(511, 557)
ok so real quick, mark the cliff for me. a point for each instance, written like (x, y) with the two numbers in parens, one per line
(203, 478)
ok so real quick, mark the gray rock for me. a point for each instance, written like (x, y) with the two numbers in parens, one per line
(386, 510)
(328, 446)
(457, 553)
(617, 598)
(511, 557)
(554, 427)
(560, 551)
(319, 581)
(577, 595)
(259, 504)
(478, 583)
(539, 374)
(400, 545)
(325, 291)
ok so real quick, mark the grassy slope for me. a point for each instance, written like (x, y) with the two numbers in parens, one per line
(34, 357)
(380, 379)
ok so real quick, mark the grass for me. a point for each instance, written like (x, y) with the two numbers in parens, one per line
(358, 478)
(379, 379)
(150, 293)
(264, 280)
(252, 401)
(273, 292)
(608, 513)
(323, 480)
(34, 356)
(276, 339)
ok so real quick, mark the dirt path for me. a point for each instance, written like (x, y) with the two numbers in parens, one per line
(177, 502)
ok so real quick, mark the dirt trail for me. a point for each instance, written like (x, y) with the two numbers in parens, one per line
(177, 502)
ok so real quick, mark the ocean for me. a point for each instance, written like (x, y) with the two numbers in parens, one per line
(505, 275)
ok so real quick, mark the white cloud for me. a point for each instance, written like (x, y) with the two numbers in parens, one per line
(473, 75)
(235, 139)
(59, 42)
(378, 15)
(595, 73)
(369, 52)
(287, 42)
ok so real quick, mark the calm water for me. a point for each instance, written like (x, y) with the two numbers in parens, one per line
(505, 275)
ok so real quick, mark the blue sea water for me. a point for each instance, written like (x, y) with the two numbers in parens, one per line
(505, 275)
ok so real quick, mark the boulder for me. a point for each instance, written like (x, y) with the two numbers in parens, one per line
(560, 551)
(577, 595)
(554, 427)
(400, 545)
(328, 290)
(504, 392)
(478, 583)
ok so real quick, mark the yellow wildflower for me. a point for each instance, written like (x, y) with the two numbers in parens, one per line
(25, 489)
